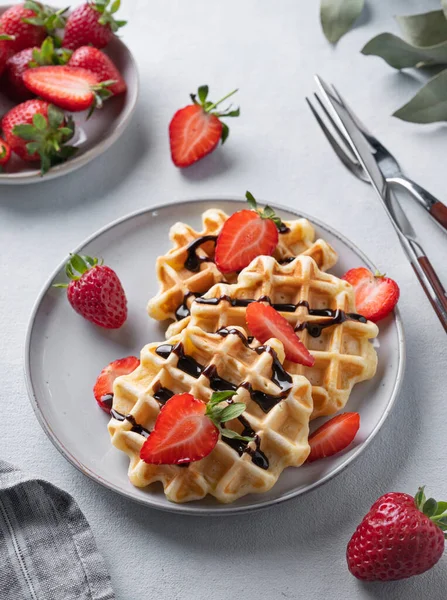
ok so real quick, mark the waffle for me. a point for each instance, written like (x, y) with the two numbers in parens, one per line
(281, 425)
(179, 285)
(343, 353)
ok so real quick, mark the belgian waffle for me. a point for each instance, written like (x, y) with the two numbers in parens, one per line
(278, 407)
(188, 269)
(318, 305)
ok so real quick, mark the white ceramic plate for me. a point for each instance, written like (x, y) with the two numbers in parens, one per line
(92, 137)
(65, 353)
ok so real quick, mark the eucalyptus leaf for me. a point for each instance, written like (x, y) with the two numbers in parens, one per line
(424, 30)
(400, 54)
(338, 16)
(429, 105)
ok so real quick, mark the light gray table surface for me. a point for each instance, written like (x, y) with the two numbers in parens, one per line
(271, 51)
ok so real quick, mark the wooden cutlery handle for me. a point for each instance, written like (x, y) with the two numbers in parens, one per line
(439, 212)
(437, 294)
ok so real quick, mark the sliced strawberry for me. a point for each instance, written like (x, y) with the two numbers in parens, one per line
(103, 389)
(182, 433)
(196, 129)
(71, 88)
(334, 436)
(265, 322)
(375, 295)
(187, 429)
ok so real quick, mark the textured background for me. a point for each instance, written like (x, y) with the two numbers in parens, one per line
(271, 51)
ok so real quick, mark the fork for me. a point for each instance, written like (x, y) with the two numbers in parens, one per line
(386, 161)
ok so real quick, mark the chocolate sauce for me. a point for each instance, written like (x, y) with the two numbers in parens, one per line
(164, 350)
(286, 261)
(265, 401)
(257, 456)
(333, 317)
(107, 400)
(283, 228)
(135, 426)
(193, 262)
(280, 377)
(232, 301)
(218, 384)
(163, 394)
(186, 363)
(287, 307)
(183, 309)
(224, 331)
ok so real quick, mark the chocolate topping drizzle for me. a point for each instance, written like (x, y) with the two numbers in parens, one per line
(182, 310)
(135, 426)
(193, 262)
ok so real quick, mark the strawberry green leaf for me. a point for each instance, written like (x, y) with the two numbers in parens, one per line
(251, 201)
(2, 151)
(221, 396)
(39, 122)
(225, 133)
(430, 507)
(56, 117)
(203, 93)
(115, 6)
(441, 509)
(6, 38)
(25, 131)
(33, 147)
(420, 497)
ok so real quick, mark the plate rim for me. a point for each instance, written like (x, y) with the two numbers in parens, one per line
(186, 508)
(79, 161)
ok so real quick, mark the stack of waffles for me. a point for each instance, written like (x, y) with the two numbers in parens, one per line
(209, 348)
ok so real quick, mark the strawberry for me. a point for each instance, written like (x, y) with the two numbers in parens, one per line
(187, 429)
(92, 23)
(37, 131)
(196, 129)
(92, 59)
(29, 24)
(264, 322)
(5, 152)
(95, 292)
(17, 64)
(246, 235)
(375, 295)
(5, 50)
(103, 390)
(71, 88)
(401, 536)
(333, 436)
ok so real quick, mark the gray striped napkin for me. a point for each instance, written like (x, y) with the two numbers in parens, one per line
(47, 550)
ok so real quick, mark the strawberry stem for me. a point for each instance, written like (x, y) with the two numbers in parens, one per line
(210, 108)
(435, 511)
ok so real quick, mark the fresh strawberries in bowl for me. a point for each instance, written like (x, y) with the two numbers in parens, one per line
(95, 292)
(5, 152)
(375, 295)
(401, 536)
(196, 129)
(92, 23)
(37, 131)
(5, 51)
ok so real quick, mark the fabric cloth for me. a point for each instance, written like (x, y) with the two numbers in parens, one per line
(47, 550)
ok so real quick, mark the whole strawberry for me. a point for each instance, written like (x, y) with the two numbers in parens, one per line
(401, 536)
(14, 86)
(196, 130)
(92, 23)
(38, 131)
(95, 292)
(92, 59)
(5, 50)
(29, 24)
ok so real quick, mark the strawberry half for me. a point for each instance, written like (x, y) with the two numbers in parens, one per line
(187, 429)
(375, 295)
(71, 88)
(265, 322)
(334, 436)
(246, 235)
(103, 389)
(196, 129)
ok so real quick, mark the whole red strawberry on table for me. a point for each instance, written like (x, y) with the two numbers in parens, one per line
(57, 56)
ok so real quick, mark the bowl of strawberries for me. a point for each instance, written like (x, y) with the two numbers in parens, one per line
(68, 87)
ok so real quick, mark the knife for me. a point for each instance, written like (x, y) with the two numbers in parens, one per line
(422, 267)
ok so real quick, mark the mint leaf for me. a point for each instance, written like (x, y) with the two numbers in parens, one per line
(232, 411)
